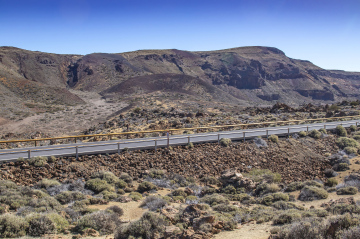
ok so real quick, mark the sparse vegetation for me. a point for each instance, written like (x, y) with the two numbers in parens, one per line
(274, 138)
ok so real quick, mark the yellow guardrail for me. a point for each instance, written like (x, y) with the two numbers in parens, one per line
(172, 130)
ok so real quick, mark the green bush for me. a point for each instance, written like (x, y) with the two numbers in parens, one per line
(109, 195)
(322, 130)
(179, 192)
(46, 183)
(315, 134)
(342, 167)
(156, 173)
(101, 221)
(214, 199)
(344, 142)
(61, 224)
(66, 197)
(146, 187)
(265, 188)
(309, 193)
(302, 134)
(126, 178)
(282, 205)
(210, 180)
(269, 199)
(179, 199)
(342, 208)
(313, 183)
(97, 185)
(38, 161)
(12, 226)
(274, 138)
(40, 225)
(110, 178)
(229, 189)
(263, 214)
(115, 209)
(225, 208)
(225, 142)
(287, 216)
(8, 184)
(259, 175)
(135, 196)
(356, 137)
(341, 131)
(353, 128)
(351, 150)
(347, 191)
(150, 225)
(294, 186)
(238, 197)
(331, 182)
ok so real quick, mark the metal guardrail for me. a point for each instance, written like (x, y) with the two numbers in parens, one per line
(172, 130)
(266, 132)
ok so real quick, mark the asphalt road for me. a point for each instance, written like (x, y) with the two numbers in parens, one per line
(114, 146)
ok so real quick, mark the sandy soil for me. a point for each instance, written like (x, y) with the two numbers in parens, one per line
(247, 231)
(70, 120)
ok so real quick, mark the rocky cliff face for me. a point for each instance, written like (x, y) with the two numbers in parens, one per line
(249, 74)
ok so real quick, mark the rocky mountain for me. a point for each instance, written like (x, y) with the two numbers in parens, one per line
(244, 75)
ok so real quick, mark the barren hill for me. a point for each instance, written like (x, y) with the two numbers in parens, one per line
(33, 81)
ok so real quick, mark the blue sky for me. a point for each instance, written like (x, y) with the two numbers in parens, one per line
(326, 32)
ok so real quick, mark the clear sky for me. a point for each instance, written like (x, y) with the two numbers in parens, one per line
(326, 32)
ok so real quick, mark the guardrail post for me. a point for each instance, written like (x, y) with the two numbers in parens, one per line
(155, 144)
(29, 154)
(218, 138)
(118, 148)
(75, 140)
(188, 139)
(77, 152)
(307, 128)
(267, 133)
(288, 132)
(35, 143)
(356, 123)
(324, 126)
(244, 136)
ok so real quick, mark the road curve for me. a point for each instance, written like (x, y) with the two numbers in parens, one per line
(114, 146)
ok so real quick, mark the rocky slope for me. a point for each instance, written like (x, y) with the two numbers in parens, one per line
(31, 81)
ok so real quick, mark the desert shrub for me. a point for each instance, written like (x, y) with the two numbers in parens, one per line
(282, 205)
(342, 208)
(344, 142)
(341, 131)
(294, 186)
(224, 208)
(225, 142)
(322, 130)
(179, 199)
(227, 218)
(51, 159)
(47, 183)
(135, 196)
(329, 172)
(109, 195)
(315, 134)
(229, 189)
(331, 182)
(269, 199)
(191, 199)
(259, 175)
(149, 225)
(40, 225)
(260, 142)
(347, 191)
(356, 137)
(156, 173)
(238, 197)
(309, 193)
(353, 128)
(210, 180)
(314, 213)
(97, 185)
(68, 196)
(307, 228)
(208, 190)
(341, 167)
(313, 183)
(116, 209)
(8, 184)
(287, 216)
(126, 178)
(179, 179)
(38, 161)
(146, 187)
(179, 192)
(263, 214)
(214, 199)
(110, 178)
(274, 138)
(265, 188)
(153, 203)
(45, 204)
(302, 134)
(61, 224)
(101, 221)
(351, 150)
(351, 233)
(12, 226)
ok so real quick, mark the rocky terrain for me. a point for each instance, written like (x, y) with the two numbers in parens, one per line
(35, 82)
